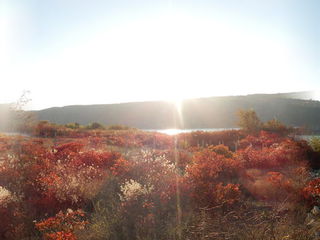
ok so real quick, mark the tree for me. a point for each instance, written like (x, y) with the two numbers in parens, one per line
(249, 121)
(21, 120)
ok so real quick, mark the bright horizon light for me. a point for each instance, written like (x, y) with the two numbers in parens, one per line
(171, 55)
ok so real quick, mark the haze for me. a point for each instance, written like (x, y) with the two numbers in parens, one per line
(91, 52)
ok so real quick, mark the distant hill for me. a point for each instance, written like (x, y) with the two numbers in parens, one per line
(214, 112)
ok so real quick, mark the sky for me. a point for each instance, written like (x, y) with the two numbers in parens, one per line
(67, 52)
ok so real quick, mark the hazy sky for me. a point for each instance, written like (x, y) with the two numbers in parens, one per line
(85, 52)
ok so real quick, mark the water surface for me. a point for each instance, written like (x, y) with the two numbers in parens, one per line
(174, 131)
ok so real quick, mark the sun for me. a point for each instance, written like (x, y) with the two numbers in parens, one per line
(167, 57)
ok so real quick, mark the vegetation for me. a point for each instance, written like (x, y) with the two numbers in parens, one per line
(251, 123)
(68, 182)
(95, 125)
(119, 127)
(74, 125)
(315, 144)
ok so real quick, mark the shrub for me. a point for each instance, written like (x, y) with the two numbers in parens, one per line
(315, 144)
(73, 125)
(95, 125)
(62, 225)
(119, 127)
(210, 176)
(276, 126)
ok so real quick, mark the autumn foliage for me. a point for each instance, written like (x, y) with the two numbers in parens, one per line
(62, 225)
(126, 184)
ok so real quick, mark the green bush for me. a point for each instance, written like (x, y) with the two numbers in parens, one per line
(95, 125)
(119, 127)
(73, 125)
(315, 144)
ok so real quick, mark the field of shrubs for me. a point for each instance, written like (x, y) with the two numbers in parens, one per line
(64, 183)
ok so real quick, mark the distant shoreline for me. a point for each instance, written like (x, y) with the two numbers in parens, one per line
(174, 131)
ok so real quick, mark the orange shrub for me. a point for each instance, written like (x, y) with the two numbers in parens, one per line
(312, 191)
(62, 225)
(208, 173)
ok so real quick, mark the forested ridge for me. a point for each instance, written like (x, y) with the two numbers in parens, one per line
(213, 112)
